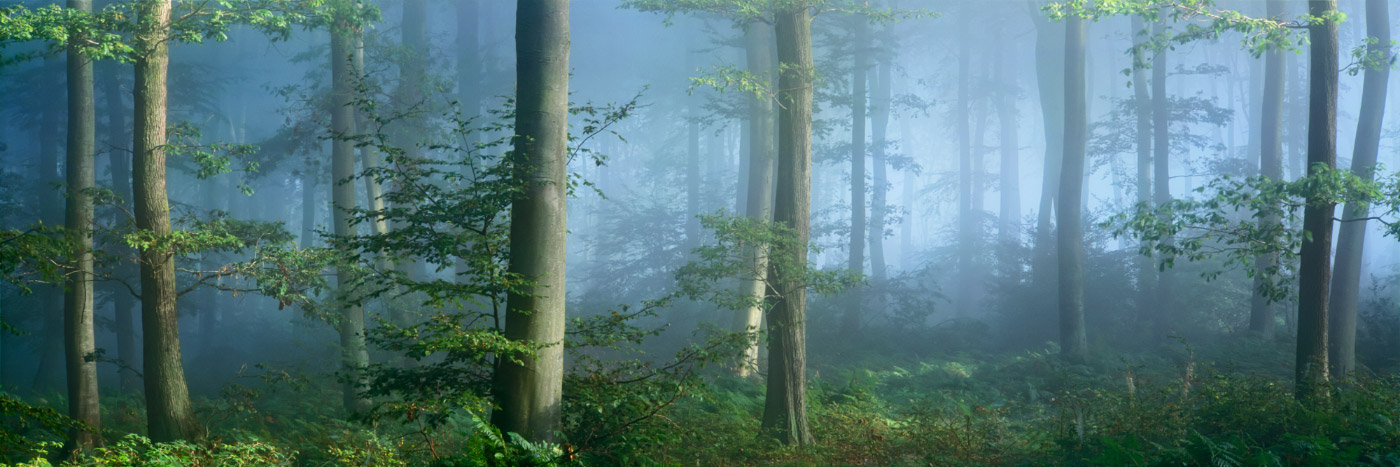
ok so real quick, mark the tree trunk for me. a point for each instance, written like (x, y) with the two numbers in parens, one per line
(369, 155)
(50, 373)
(855, 261)
(880, 101)
(963, 114)
(308, 204)
(1073, 344)
(1146, 275)
(785, 404)
(1261, 312)
(168, 413)
(1352, 236)
(1314, 267)
(1163, 313)
(1010, 177)
(354, 351)
(692, 178)
(120, 165)
(758, 46)
(78, 335)
(529, 391)
(1050, 74)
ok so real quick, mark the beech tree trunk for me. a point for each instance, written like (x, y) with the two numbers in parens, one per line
(758, 47)
(1073, 344)
(78, 335)
(1352, 236)
(785, 403)
(50, 373)
(1147, 275)
(529, 392)
(1050, 74)
(880, 100)
(1261, 312)
(963, 114)
(1164, 312)
(855, 261)
(120, 165)
(354, 351)
(1009, 209)
(1315, 268)
(169, 416)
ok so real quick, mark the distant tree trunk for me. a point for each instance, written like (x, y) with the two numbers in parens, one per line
(410, 95)
(50, 374)
(692, 179)
(354, 351)
(860, 64)
(1261, 312)
(1009, 231)
(1295, 118)
(529, 392)
(308, 204)
(169, 416)
(78, 335)
(1314, 263)
(758, 47)
(1352, 237)
(880, 100)
(1146, 275)
(963, 114)
(785, 404)
(120, 166)
(469, 80)
(1164, 312)
(1050, 74)
(369, 155)
(1073, 343)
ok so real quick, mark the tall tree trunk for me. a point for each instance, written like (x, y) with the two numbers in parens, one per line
(308, 204)
(410, 95)
(692, 178)
(1146, 274)
(1164, 313)
(120, 166)
(1050, 74)
(354, 351)
(855, 261)
(1261, 312)
(1352, 236)
(758, 47)
(1009, 209)
(1314, 267)
(880, 101)
(785, 404)
(168, 413)
(529, 391)
(963, 114)
(1073, 344)
(78, 335)
(369, 155)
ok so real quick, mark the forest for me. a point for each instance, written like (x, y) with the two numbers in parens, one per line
(699, 232)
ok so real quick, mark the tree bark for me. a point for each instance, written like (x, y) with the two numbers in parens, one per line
(758, 47)
(1261, 312)
(1314, 268)
(1073, 344)
(1164, 312)
(855, 261)
(1049, 67)
(529, 391)
(1352, 236)
(880, 101)
(120, 165)
(354, 351)
(785, 404)
(78, 334)
(169, 416)
(50, 373)
(963, 114)
(1147, 276)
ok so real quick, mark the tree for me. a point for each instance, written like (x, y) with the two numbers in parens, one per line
(880, 107)
(758, 50)
(1049, 73)
(1352, 236)
(529, 389)
(169, 416)
(1161, 164)
(354, 352)
(1261, 310)
(1147, 280)
(1010, 183)
(78, 335)
(860, 61)
(1315, 268)
(1070, 238)
(967, 223)
(785, 403)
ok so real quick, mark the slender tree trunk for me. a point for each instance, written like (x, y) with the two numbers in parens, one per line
(692, 179)
(860, 64)
(1010, 178)
(1352, 236)
(410, 95)
(758, 46)
(354, 351)
(120, 166)
(529, 391)
(78, 335)
(1049, 65)
(880, 100)
(308, 204)
(1164, 312)
(785, 404)
(1261, 312)
(169, 416)
(1146, 274)
(369, 155)
(963, 114)
(1073, 344)
(1314, 267)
